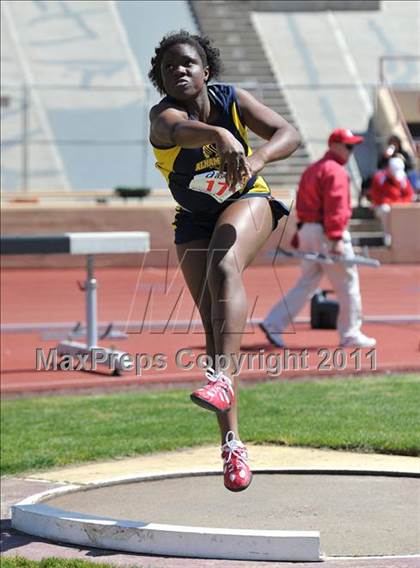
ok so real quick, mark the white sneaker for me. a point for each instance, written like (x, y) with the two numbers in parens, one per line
(359, 340)
(274, 338)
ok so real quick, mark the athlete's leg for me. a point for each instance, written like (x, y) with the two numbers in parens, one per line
(192, 258)
(240, 232)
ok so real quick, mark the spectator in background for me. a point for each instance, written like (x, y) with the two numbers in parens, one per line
(392, 148)
(323, 211)
(390, 185)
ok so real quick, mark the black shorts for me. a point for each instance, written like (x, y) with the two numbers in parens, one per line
(199, 226)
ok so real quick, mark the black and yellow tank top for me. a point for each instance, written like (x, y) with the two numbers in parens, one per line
(192, 173)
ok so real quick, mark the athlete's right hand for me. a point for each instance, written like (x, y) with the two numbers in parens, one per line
(232, 159)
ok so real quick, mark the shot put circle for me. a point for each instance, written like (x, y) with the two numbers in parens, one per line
(284, 515)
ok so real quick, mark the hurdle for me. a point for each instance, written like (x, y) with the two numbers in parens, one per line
(90, 244)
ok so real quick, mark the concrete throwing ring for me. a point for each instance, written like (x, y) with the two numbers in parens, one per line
(280, 517)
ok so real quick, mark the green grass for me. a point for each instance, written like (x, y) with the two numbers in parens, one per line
(20, 562)
(375, 414)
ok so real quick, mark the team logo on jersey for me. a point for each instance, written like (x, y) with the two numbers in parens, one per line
(209, 150)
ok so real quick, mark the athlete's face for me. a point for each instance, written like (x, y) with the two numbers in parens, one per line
(183, 72)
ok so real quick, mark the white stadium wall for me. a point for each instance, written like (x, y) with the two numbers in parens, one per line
(75, 88)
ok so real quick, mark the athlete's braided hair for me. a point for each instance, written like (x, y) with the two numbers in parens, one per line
(210, 55)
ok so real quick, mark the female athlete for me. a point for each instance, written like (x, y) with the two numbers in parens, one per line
(225, 211)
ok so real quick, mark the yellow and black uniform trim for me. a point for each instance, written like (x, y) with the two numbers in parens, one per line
(180, 165)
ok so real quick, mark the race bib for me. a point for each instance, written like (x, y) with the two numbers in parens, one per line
(213, 183)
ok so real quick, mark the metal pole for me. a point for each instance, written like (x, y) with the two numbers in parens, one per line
(25, 133)
(91, 305)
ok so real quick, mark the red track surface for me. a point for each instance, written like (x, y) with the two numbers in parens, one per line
(37, 296)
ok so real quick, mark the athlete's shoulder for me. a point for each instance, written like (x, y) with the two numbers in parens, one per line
(165, 104)
(220, 88)
(163, 116)
(222, 93)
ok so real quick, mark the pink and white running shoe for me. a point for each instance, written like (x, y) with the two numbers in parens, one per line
(217, 394)
(236, 472)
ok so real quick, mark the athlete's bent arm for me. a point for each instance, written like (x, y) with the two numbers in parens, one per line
(171, 127)
(282, 138)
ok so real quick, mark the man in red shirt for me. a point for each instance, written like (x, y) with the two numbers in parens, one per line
(323, 208)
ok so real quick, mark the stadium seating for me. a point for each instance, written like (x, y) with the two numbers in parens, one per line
(75, 93)
(245, 64)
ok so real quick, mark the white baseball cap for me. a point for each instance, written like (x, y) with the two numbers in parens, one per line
(396, 167)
